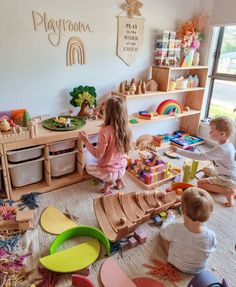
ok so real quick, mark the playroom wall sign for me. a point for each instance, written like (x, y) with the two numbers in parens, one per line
(57, 28)
(129, 38)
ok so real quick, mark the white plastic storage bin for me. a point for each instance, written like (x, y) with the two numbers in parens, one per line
(25, 154)
(62, 145)
(27, 172)
(63, 163)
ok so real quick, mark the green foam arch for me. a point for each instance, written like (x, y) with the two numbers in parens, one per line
(79, 231)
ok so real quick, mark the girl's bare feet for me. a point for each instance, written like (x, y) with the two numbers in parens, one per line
(106, 188)
(230, 194)
(119, 184)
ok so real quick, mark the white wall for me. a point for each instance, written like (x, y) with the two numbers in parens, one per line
(224, 13)
(33, 73)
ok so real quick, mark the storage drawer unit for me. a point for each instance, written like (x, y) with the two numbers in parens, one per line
(61, 146)
(63, 163)
(27, 172)
(25, 154)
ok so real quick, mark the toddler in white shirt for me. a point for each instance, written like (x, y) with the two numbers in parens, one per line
(222, 178)
(189, 244)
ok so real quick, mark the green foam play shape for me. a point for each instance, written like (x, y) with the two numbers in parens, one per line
(74, 258)
(80, 231)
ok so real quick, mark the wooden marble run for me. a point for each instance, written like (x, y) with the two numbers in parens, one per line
(151, 171)
(120, 214)
(20, 224)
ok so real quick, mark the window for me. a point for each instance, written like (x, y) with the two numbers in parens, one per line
(222, 90)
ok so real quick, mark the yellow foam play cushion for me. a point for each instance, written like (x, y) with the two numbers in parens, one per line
(55, 222)
(74, 258)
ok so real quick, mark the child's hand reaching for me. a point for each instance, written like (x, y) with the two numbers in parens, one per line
(83, 136)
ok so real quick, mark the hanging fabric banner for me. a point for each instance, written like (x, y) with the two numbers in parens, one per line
(129, 38)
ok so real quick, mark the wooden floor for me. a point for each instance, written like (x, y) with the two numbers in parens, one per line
(78, 199)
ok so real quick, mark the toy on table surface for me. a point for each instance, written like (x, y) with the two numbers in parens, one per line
(184, 140)
(150, 170)
(161, 138)
(83, 97)
(206, 279)
(146, 115)
(63, 123)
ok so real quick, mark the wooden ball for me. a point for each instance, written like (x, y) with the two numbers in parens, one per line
(122, 220)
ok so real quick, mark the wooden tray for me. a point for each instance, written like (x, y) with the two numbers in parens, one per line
(155, 184)
(76, 123)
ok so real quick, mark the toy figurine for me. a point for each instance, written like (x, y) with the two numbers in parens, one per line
(83, 97)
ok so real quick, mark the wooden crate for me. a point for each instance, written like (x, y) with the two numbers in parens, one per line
(155, 184)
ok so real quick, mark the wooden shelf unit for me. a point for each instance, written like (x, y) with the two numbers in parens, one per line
(46, 137)
(192, 97)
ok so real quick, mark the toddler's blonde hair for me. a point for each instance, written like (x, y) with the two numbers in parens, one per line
(197, 204)
(223, 124)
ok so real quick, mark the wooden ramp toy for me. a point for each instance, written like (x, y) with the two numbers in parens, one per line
(130, 206)
(119, 215)
(112, 276)
(54, 221)
(74, 258)
(115, 213)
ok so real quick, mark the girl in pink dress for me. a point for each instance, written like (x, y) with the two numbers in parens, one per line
(113, 145)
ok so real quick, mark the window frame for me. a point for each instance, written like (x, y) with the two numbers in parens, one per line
(214, 74)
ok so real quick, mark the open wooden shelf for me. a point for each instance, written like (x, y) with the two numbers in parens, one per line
(158, 93)
(183, 68)
(164, 117)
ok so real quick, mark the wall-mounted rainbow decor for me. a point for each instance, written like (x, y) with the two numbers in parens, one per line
(75, 52)
(169, 106)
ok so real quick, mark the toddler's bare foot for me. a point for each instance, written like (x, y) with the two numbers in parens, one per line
(230, 194)
(119, 184)
(107, 187)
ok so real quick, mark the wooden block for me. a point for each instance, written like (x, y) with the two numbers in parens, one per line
(158, 220)
(132, 242)
(142, 238)
(24, 215)
(163, 215)
(140, 235)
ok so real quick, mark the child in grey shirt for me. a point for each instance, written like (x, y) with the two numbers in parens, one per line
(222, 178)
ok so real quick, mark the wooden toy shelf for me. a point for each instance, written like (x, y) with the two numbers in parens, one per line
(192, 97)
(46, 137)
(157, 93)
(165, 117)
